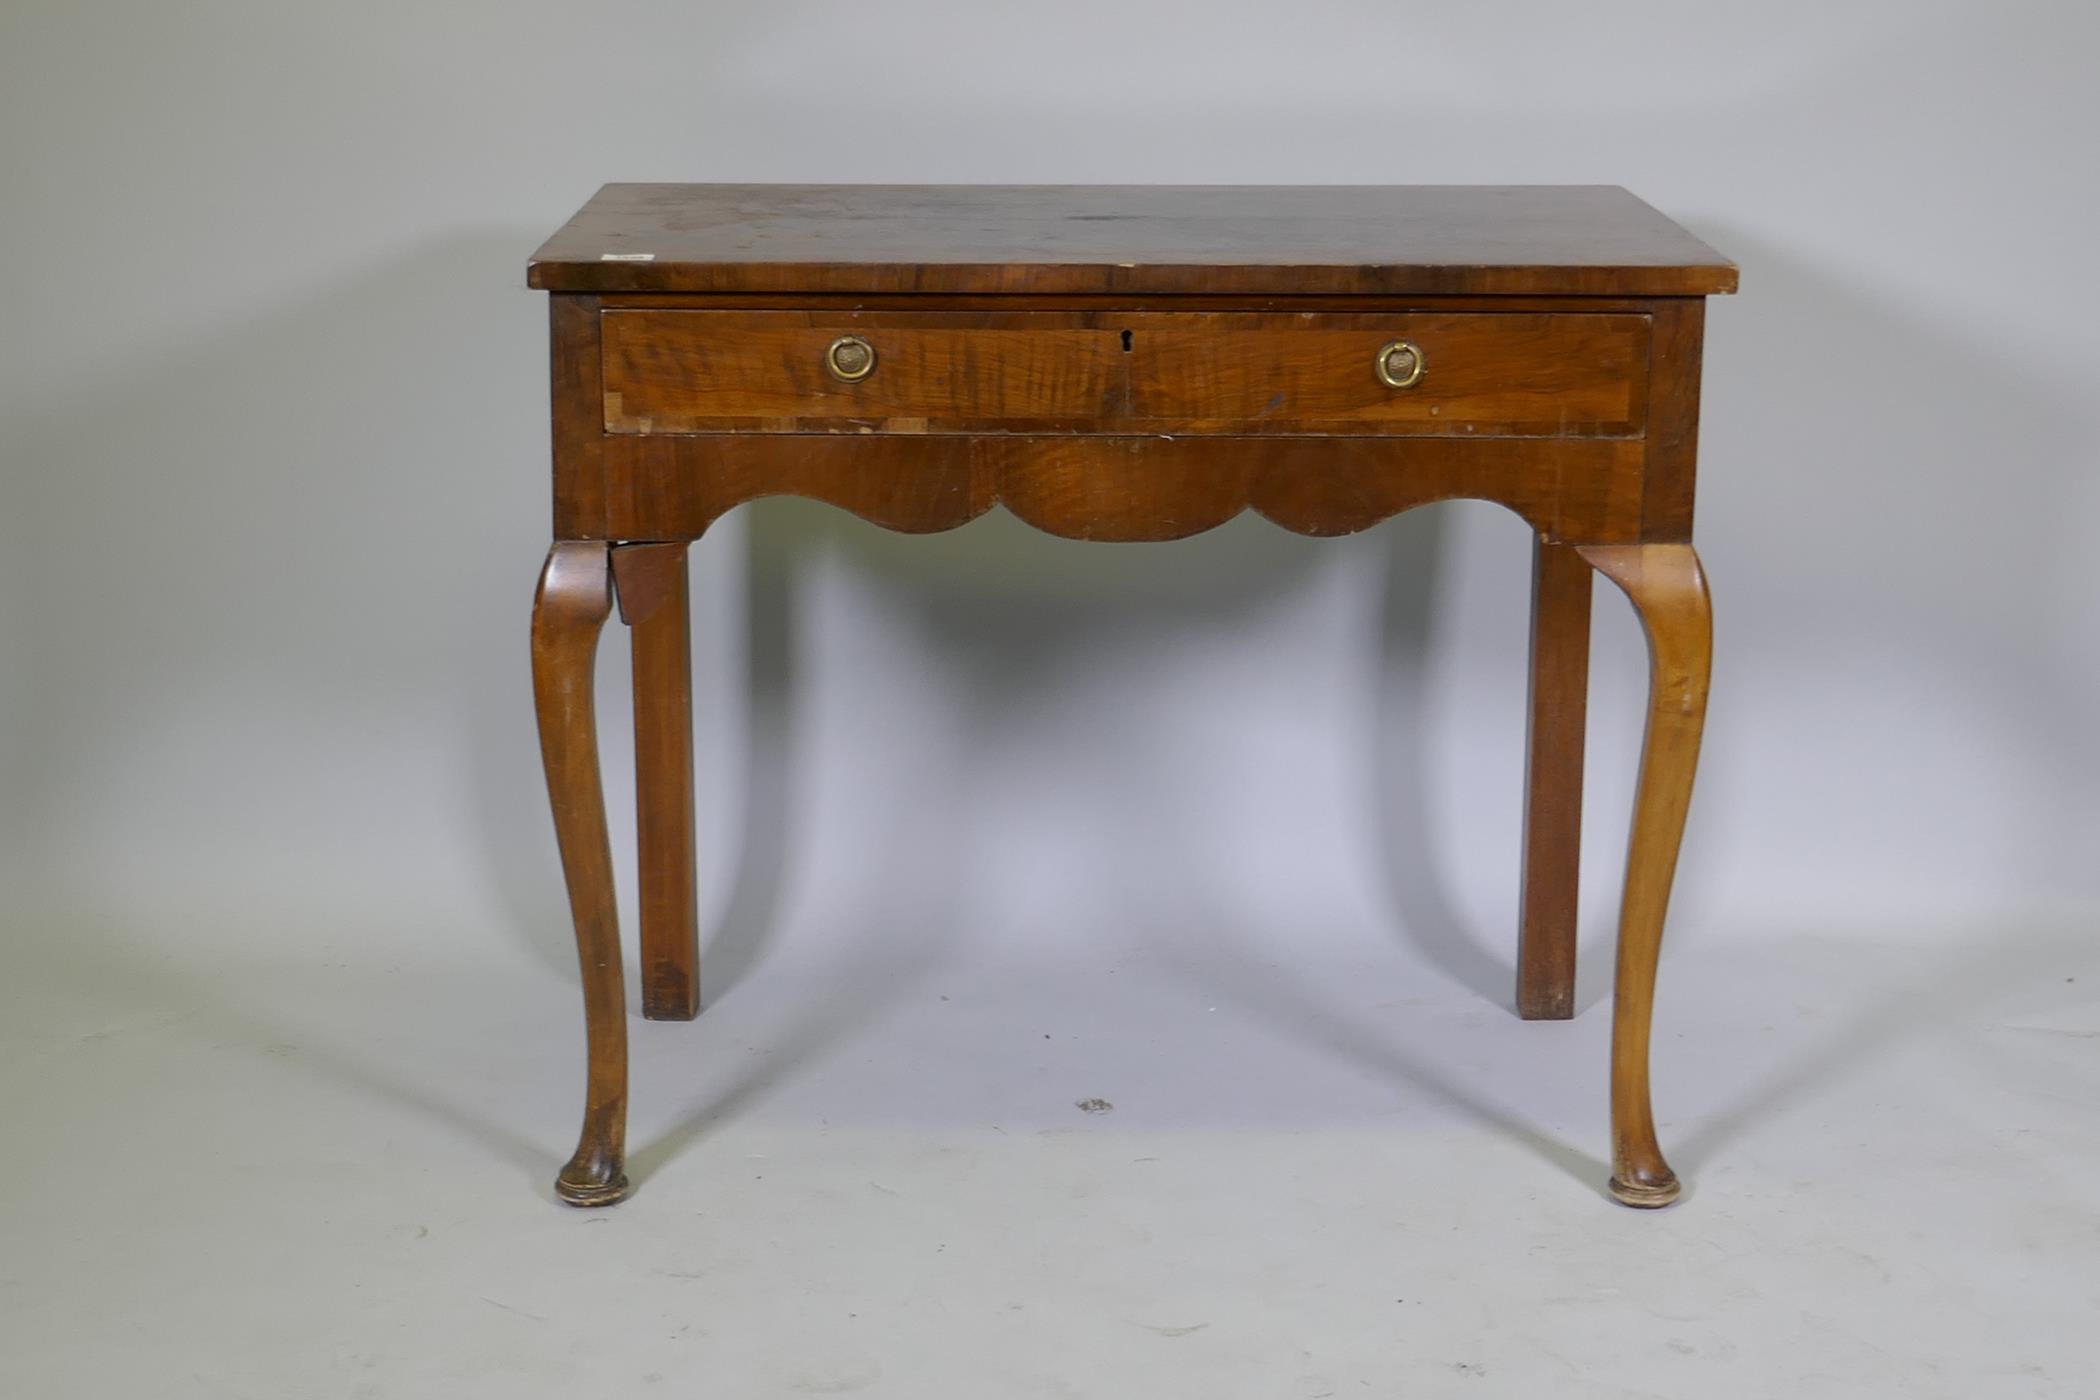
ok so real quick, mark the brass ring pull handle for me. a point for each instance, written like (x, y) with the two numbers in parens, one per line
(850, 358)
(1399, 364)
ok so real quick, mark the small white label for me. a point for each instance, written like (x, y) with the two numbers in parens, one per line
(627, 257)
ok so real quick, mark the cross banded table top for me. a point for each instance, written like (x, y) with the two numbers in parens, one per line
(1137, 240)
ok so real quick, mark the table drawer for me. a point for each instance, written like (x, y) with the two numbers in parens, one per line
(1435, 374)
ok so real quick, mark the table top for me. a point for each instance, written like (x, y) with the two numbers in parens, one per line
(1139, 240)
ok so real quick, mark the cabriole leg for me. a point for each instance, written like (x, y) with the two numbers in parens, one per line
(1668, 591)
(575, 595)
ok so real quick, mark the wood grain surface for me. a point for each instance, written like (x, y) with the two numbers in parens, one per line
(1521, 374)
(1554, 740)
(1124, 488)
(1667, 588)
(652, 584)
(1549, 240)
(568, 613)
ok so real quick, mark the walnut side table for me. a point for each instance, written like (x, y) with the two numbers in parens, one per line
(1123, 363)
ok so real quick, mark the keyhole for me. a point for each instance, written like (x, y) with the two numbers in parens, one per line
(1126, 342)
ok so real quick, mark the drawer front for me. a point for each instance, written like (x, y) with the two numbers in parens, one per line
(768, 371)
(1481, 374)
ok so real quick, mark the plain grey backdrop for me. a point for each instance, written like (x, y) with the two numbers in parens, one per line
(273, 456)
(276, 446)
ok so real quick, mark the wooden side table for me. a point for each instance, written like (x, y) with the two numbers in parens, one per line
(1133, 363)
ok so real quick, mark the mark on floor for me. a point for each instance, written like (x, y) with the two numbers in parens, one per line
(1094, 1105)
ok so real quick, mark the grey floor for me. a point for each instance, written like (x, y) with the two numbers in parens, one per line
(229, 1178)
